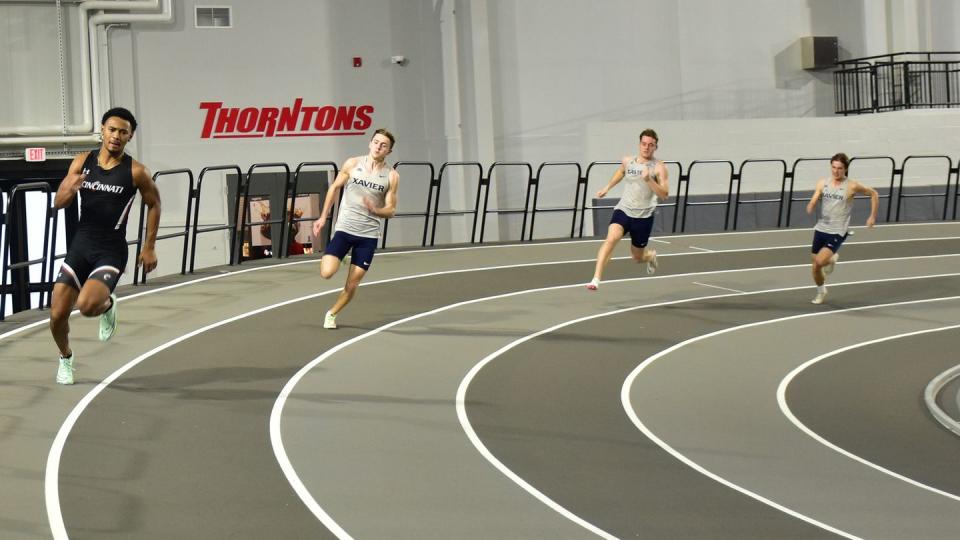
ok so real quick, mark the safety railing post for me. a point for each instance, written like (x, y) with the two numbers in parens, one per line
(185, 233)
(228, 226)
(535, 182)
(686, 197)
(586, 187)
(739, 178)
(486, 210)
(946, 194)
(436, 201)
(293, 193)
(431, 184)
(11, 219)
(242, 224)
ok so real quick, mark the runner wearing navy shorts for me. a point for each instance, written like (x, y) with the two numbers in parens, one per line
(107, 181)
(370, 196)
(836, 203)
(646, 181)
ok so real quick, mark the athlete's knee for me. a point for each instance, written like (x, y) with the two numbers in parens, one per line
(58, 317)
(89, 307)
(328, 269)
(351, 286)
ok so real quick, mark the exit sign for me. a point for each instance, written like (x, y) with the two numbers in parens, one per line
(35, 154)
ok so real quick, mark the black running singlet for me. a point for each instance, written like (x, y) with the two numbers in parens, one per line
(106, 195)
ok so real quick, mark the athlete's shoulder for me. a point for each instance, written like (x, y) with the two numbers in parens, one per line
(80, 159)
(351, 163)
(138, 170)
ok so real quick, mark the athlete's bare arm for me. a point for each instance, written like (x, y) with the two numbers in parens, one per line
(661, 184)
(816, 196)
(857, 187)
(389, 207)
(616, 178)
(151, 198)
(332, 192)
(70, 184)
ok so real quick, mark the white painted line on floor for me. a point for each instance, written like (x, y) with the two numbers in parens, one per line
(435, 250)
(276, 436)
(631, 412)
(785, 407)
(51, 477)
(701, 249)
(719, 287)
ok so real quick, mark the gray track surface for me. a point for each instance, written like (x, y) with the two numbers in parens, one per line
(178, 446)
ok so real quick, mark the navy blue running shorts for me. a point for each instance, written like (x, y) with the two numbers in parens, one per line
(639, 228)
(827, 240)
(361, 248)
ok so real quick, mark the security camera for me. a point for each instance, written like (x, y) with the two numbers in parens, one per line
(399, 60)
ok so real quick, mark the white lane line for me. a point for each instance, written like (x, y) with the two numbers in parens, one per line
(628, 406)
(701, 249)
(785, 407)
(276, 435)
(719, 287)
(659, 241)
(386, 253)
(500, 466)
(51, 476)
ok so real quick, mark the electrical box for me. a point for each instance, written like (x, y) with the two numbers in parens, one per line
(819, 52)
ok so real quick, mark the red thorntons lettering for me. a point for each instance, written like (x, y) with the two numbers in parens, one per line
(298, 120)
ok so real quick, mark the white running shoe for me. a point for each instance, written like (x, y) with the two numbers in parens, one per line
(593, 285)
(819, 298)
(828, 268)
(652, 265)
(330, 321)
(108, 320)
(65, 371)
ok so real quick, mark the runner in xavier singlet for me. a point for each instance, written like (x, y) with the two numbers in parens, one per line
(836, 203)
(370, 196)
(645, 180)
(107, 181)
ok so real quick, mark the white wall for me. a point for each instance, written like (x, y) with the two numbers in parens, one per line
(529, 80)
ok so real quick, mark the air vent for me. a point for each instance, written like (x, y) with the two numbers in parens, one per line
(213, 17)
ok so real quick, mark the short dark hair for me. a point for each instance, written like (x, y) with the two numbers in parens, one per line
(650, 133)
(122, 114)
(387, 134)
(842, 158)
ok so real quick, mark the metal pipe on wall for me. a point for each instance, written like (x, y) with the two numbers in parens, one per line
(86, 131)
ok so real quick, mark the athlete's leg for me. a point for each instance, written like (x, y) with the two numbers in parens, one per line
(335, 251)
(329, 264)
(820, 260)
(64, 299)
(640, 230)
(614, 233)
(94, 298)
(354, 276)
(644, 255)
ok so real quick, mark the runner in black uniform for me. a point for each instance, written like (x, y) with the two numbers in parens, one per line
(107, 181)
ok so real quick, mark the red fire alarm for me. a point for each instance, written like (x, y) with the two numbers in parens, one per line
(357, 61)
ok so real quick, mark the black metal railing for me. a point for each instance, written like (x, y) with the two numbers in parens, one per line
(927, 179)
(891, 82)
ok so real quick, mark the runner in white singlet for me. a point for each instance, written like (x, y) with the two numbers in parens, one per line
(836, 203)
(645, 182)
(370, 196)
